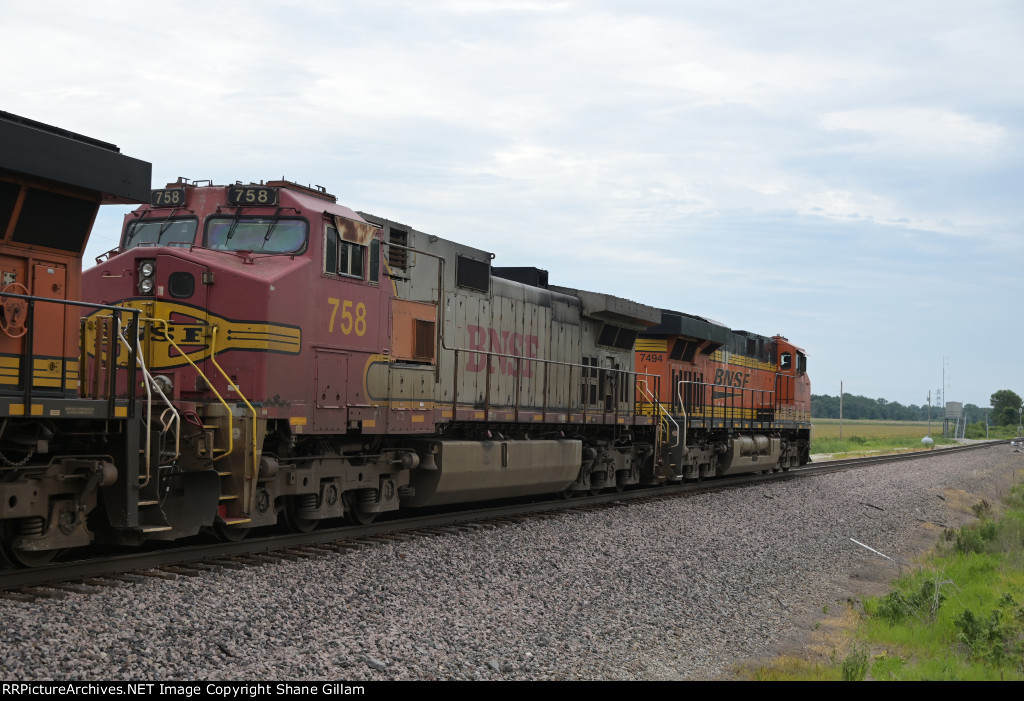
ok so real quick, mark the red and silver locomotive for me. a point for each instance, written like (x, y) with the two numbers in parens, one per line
(320, 362)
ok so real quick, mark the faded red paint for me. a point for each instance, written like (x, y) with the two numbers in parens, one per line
(504, 342)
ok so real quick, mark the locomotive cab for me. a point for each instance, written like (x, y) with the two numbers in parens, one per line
(259, 306)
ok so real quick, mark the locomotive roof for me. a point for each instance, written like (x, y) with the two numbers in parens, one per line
(44, 151)
(599, 305)
(675, 323)
(595, 304)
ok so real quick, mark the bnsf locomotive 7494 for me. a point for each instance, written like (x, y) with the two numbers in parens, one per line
(288, 360)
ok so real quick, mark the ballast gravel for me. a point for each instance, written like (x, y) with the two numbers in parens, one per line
(667, 590)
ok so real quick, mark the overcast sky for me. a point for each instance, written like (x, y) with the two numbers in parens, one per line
(847, 174)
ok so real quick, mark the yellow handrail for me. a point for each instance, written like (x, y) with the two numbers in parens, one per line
(150, 384)
(167, 336)
(255, 417)
(664, 427)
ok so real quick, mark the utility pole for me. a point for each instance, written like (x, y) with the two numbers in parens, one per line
(840, 410)
(929, 412)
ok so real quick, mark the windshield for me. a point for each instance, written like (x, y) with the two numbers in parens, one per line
(160, 232)
(262, 234)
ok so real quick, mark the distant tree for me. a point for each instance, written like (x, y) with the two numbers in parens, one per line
(974, 414)
(824, 406)
(1005, 408)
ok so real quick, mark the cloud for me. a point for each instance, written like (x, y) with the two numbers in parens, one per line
(835, 173)
(918, 132)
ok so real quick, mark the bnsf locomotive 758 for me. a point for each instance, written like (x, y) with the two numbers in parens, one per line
(287, 360)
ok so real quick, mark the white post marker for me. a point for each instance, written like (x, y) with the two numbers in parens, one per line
(871, 549)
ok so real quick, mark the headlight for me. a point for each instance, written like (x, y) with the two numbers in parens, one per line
(147, 269)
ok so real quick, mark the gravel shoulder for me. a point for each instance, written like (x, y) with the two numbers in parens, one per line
(682, 589)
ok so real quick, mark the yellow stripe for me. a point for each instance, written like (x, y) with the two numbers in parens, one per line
(652, 345)
(46, 372)
(742, 361)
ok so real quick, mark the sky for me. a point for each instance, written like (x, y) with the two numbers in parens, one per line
(846, 174)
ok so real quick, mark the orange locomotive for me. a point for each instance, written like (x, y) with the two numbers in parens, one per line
(736, 401)
(58, 449)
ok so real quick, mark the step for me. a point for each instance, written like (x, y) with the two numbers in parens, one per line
(155, 529)
(149, 502)
(225, 474)
(228, 497)
(236, 521)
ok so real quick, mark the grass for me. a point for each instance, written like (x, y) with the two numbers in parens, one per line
(960, 616)
(994, 432)
(866, 436)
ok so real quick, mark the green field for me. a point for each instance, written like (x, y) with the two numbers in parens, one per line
(867, 436)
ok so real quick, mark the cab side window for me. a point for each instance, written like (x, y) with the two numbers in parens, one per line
(785, 361)
(343, 257)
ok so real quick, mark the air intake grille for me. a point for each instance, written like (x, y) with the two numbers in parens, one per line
(424, 341)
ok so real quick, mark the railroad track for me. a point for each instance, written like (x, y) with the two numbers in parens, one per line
(200, 558)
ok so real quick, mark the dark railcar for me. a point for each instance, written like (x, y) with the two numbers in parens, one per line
(59, 449)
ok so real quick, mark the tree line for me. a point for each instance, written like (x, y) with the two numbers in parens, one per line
(1005, 409)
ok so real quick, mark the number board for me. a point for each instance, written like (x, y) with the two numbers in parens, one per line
(253, 195)
(170, 197)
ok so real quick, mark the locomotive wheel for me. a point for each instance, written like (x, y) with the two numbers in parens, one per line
(33, 558)
(230, 534)
(354, 515)
(27, 558)
(361, 518)
(24, 558)
(295, 523)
